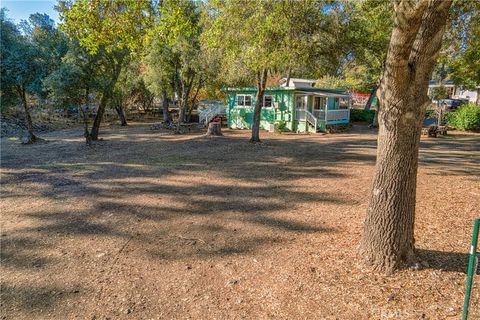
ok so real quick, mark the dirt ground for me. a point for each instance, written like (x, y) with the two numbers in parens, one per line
(150, 225)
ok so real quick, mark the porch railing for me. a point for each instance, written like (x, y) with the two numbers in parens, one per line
(305, 115)
(300, 114)
(311, 119)
(209, 112)
(320, 114)
(332, 115)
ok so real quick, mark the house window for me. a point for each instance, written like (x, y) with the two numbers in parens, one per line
(267, 101)
(244, 100)
(300, 102)
(240, 100)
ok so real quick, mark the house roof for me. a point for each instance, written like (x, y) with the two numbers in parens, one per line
(327, 94)
(288, 89)
(446, 83)
(436, 83)
(294, 81)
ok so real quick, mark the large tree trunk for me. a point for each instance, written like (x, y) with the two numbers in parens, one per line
(261, 82)
(388, 239)
(166, 114)
(189, 113)
(31, 138)
(478, 97)
(181, 114)
(289, 74)
(121, 115)
(86, 134)
(185, 87)
(193, 102)
(98, 117)
(107, 95)
(373, 93)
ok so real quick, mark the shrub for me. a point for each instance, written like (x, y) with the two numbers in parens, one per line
(357, 115)
(280, 126)
(439, 92)
(430, 113)
(467, 117)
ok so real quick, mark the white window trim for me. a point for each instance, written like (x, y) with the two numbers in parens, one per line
(243, 106)
(271, 107)
(305, 98)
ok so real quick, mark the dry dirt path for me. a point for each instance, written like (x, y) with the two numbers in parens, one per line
(149, 225)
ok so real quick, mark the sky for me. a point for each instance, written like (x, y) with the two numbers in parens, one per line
(21, 9)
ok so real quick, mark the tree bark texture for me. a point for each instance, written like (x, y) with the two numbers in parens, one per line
(86, 134)
(261, 83)
(214, 129)
(185, 88)
(166, 114)
(28, 119)
(106, 96)
(288, 77)
(194, 100)
(121, 115)
(98, 118)
(388, 238)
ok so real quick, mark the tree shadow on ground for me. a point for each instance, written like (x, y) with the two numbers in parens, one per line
(444, 260)
(22, 253)
(32, 298)
(237, 195)
(456, 155)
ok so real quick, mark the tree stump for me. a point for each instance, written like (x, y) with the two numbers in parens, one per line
(214, 129)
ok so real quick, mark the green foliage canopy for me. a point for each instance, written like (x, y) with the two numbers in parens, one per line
(21, 67)
(106, 24)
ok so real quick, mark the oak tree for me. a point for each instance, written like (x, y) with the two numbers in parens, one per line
(388, 238)
(115, 27)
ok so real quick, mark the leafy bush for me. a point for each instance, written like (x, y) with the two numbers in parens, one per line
(467, 117)
(430, 113)
(438, 93)
(357, 115)
(280, 126)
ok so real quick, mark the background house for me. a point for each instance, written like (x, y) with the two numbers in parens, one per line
(454, 91)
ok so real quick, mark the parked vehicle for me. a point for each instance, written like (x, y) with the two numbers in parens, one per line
(451, 104)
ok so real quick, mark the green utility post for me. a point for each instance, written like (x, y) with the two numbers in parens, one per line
(472, 267)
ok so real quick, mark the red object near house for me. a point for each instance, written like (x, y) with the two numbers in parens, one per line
(359, 99)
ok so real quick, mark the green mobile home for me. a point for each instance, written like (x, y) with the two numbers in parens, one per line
(298, 108)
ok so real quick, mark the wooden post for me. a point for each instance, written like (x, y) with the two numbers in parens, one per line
(326, 111)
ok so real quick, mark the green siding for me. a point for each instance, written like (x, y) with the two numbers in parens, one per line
(310, 103)
(331, 103)
(242, 116)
